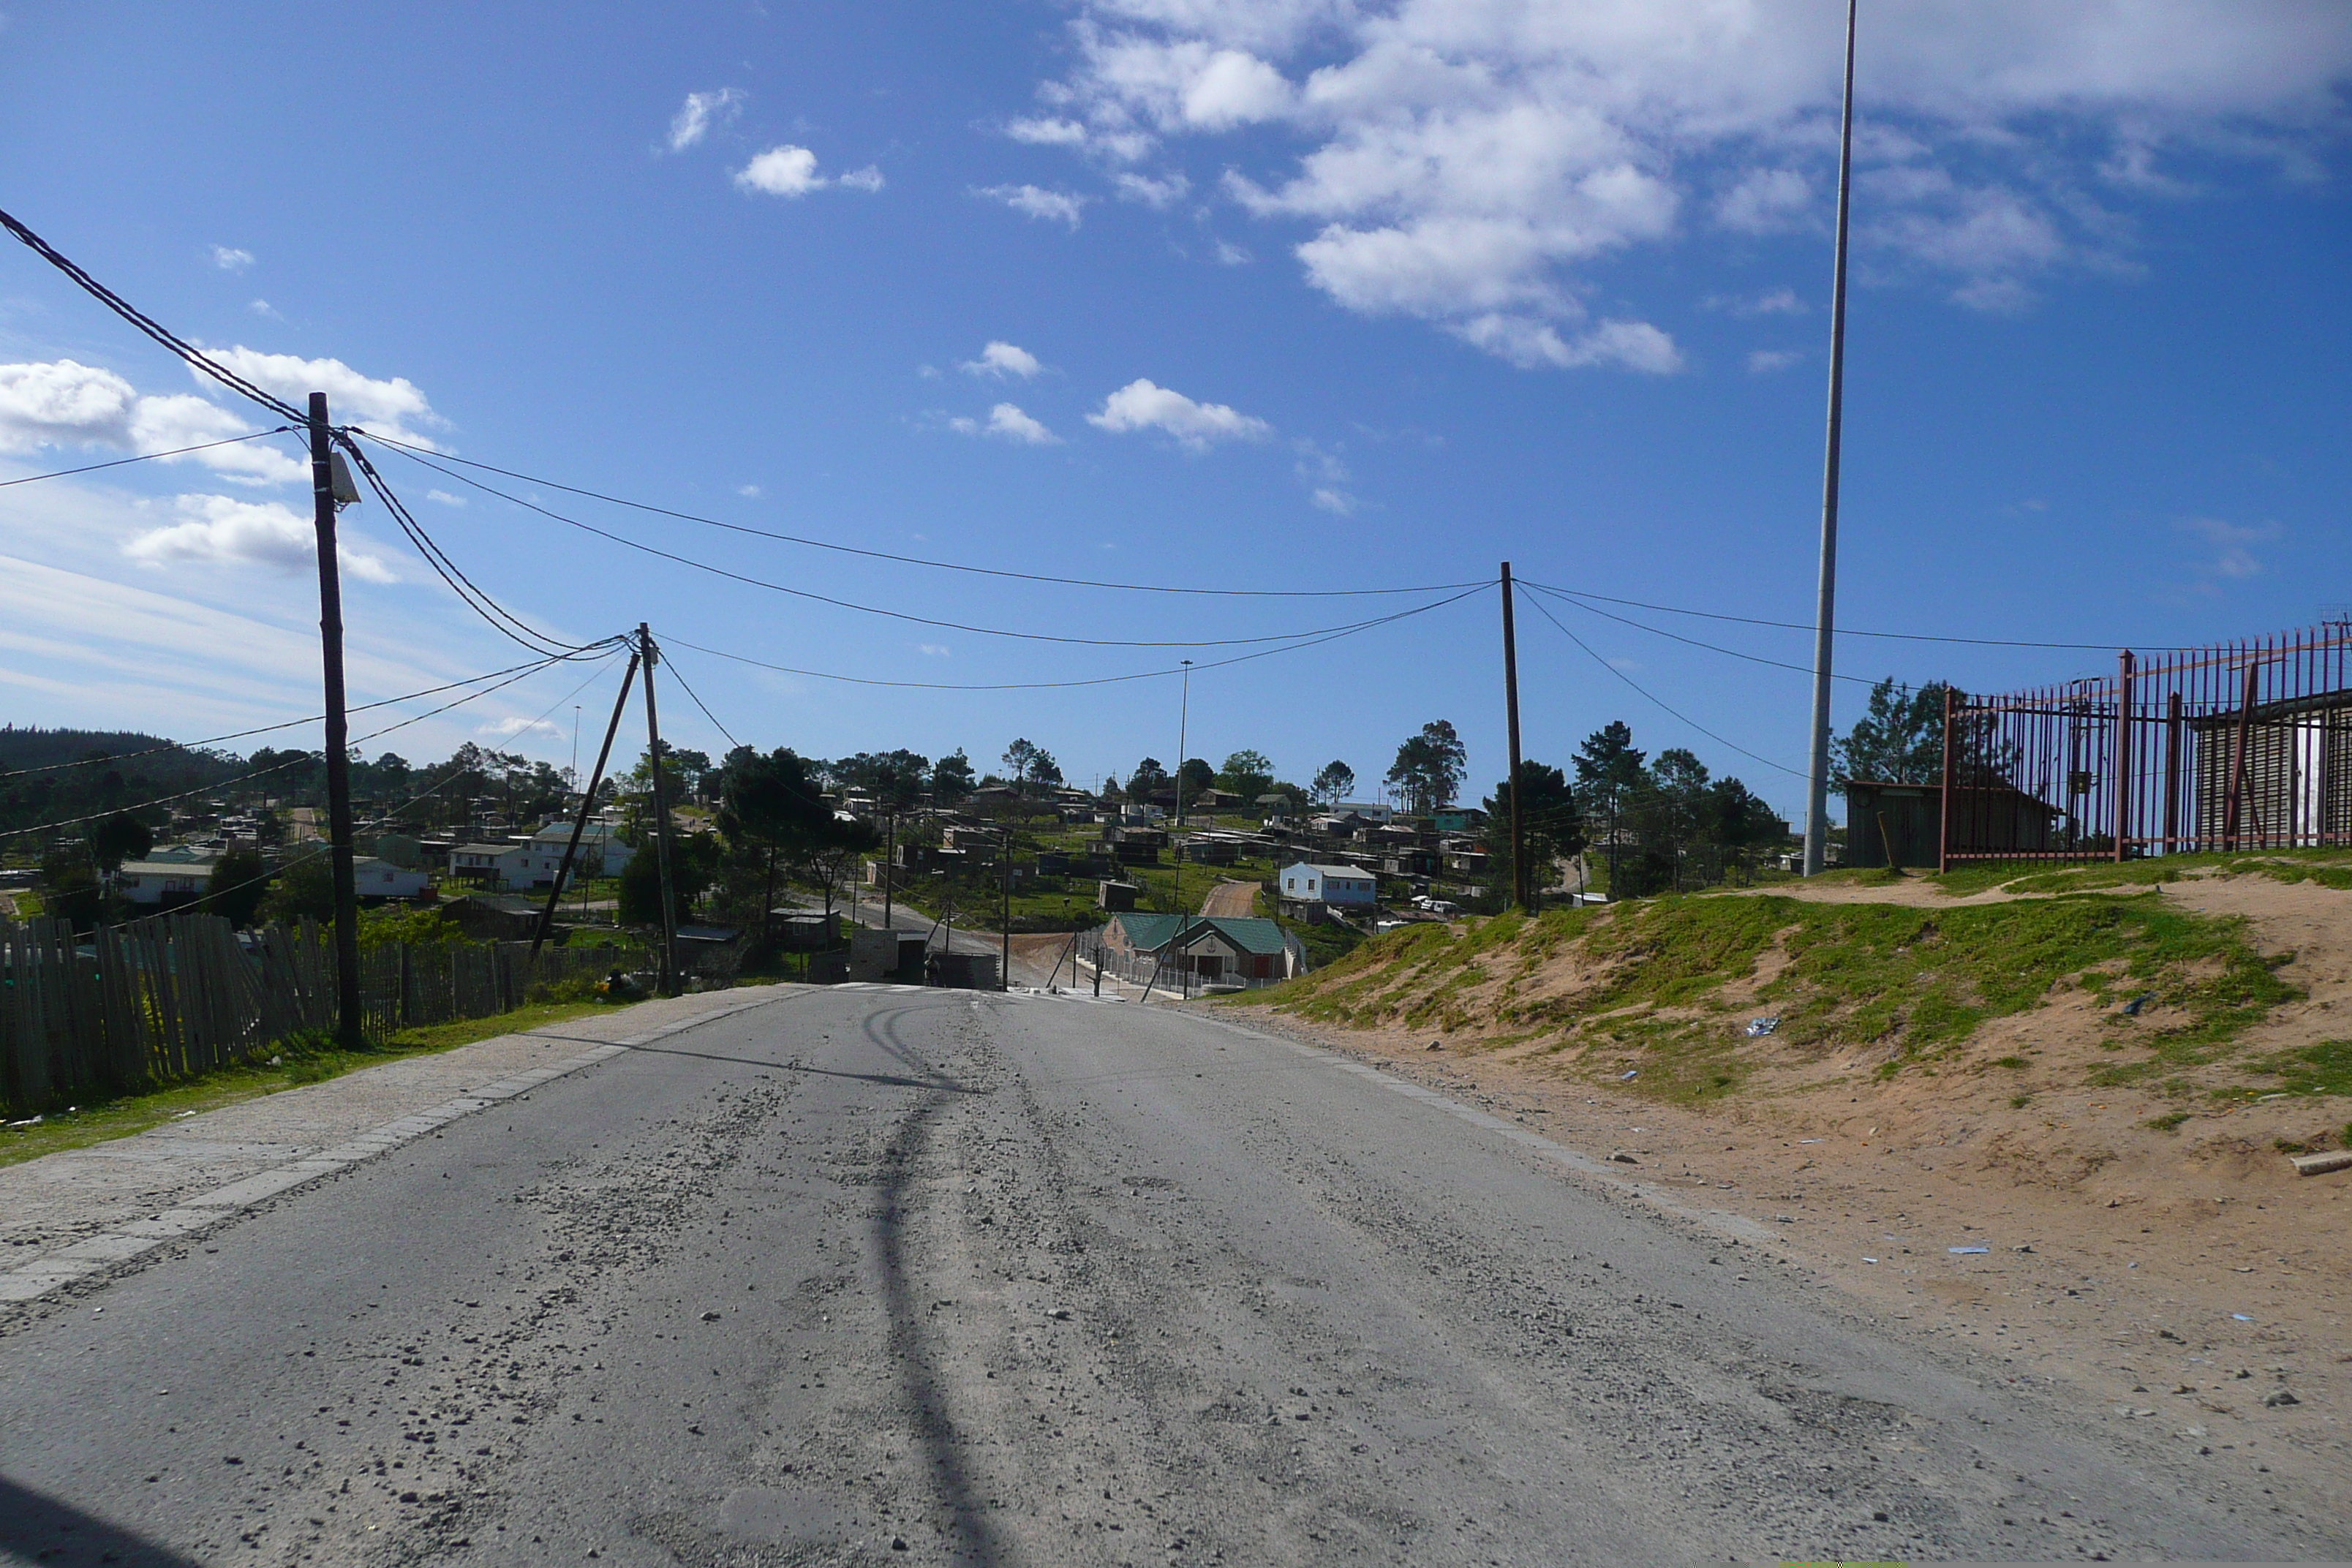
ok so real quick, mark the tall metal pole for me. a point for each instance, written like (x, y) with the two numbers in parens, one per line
(1005, 963)
(889, 871)
(338, 738)
(1511, 707)
(1184, 725)
(1817, 802)
(661, 814)
(587, 804)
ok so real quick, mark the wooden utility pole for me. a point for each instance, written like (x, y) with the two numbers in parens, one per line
(889, 869)
(587, 804)
(337, 739)
(1005, 972)
(1519, 891)
(661, 816)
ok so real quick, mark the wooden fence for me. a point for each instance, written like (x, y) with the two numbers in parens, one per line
(132, 1007)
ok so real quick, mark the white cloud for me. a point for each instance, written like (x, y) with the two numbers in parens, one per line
(1765, 201)
(265, 309)
(1231, 255)
(1338, 502)
(1781, 301)
(442, 498)
(223, 530)
(1141, 405)
(1037, 201)
(1001, 359)
(1151, 192)
(785, 171)
(868, 178)
(749, 492)
(228, 259)
(515, 725)
(1530, 343)
(1469, 158)
(63, 403)
(932, 650)
(395, 407)
(1007, 423)
(1764, 361)
(700, 111)
(2232, 556)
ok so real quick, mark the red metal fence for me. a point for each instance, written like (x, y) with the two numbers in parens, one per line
(2245, 745)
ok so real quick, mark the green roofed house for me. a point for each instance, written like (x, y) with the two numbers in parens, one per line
(1215, 949)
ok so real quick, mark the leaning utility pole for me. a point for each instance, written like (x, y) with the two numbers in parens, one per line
(587, 803)
(1511, 708)
(338, 741)
(661, 816)
(1817, 799)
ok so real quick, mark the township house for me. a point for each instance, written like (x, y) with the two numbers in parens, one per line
(532, 864)
(1350, 887)
(1213, 947)
(167, 883)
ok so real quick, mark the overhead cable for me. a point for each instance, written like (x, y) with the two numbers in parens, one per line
(147, 457)
(109, 760)
(294, 760)
(163, 335)
(1808, 626)
(1306, 641)
(1694, 642)
(1544, 611)
(749, 581)
(419, 453)
(698, 702)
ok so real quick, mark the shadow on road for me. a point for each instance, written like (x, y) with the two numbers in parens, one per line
(34, 1528)
(893, 1080)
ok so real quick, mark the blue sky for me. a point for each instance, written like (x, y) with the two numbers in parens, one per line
(1301, 294)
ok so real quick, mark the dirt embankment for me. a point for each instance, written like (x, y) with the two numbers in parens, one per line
(2051, 1128)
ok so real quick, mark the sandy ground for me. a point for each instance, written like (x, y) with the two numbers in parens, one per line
(2183, 1278)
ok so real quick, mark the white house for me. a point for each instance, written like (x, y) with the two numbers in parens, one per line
(157, 881)
(380, 879)
(601, 852)
(1348, 886)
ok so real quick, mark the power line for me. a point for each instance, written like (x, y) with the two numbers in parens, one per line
(1545, 612)
(6, 775)
(1307, 642)
(1694, 642)
(148, 325)
(887, 555)
(503, 620)
(698, 702)
(147, 457)
(1807, 625)
(689, 562)
(295, 761)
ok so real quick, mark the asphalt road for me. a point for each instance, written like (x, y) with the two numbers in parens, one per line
(876, 1275)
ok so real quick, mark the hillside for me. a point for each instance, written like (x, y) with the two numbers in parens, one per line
(2046, 1115)
(49, 775)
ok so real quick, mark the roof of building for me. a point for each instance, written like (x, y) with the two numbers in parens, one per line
(1329, 870)
(492, 849)
(167, 869)
(1250, 934)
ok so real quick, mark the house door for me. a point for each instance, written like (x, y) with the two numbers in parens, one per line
(1211, 965)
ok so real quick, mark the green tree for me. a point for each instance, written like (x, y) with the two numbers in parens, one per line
(952, 777)
(894, 779)
(1608, 771)
(1334, 784)
(120, 838)
(70, 890)
(1899, 739)
(305, 885)
(1246, 774)
(1149, 776)
(1549, 818)
(690, 871)
(238, 884)
(769, 806)
(1429, 768)
(1197, 776)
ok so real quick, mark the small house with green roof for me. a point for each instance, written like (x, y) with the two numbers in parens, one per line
(1248, 948)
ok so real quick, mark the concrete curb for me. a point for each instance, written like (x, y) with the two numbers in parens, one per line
(132, 1239)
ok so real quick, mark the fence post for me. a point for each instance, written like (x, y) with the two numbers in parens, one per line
(1943, 806)
(2172, 775)
(2123, 752)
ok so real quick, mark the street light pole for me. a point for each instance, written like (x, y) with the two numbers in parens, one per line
(1184, 725)
(348, 1031)
(1817, 800)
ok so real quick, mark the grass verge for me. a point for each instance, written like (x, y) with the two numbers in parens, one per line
(298, 1062)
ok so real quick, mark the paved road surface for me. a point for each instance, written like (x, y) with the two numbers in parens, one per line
(1023, 1279)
